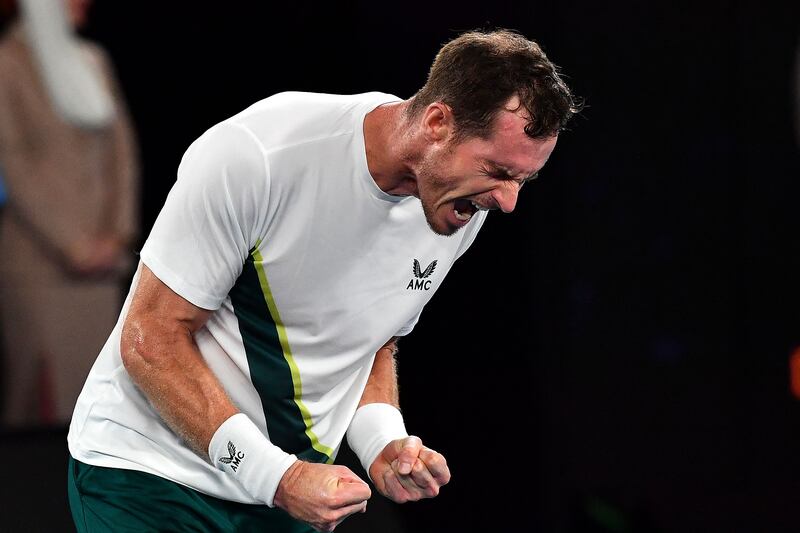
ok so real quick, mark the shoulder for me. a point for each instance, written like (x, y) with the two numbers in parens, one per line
(226, 147)
(292, 118)
(310, 102)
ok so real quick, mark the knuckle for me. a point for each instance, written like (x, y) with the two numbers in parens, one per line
(413, 441)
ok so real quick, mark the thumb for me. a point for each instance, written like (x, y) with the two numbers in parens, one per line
(353, 490)
(410, 448)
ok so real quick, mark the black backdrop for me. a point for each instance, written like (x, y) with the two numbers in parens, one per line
(613, 356)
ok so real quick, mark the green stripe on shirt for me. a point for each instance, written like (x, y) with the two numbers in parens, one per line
(273, 370)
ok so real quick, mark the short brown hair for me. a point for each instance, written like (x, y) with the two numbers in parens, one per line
(478, 72)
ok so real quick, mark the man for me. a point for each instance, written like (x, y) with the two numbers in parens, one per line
(293, 251)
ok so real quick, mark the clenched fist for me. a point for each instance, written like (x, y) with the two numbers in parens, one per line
(321, 495)
(408, 471)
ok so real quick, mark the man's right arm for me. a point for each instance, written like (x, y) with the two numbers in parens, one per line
(160, 355)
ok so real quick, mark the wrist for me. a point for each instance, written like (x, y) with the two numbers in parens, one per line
(239, 449)
(281, 499)
(373, 427)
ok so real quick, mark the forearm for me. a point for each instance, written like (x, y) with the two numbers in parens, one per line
(377, 420)
(159, 353)
(382, 382)
(399, 465)
(176, 380)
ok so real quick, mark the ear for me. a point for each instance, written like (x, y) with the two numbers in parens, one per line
(437, 122)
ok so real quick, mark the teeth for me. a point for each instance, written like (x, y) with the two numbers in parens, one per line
(476, 206)
(463, 217)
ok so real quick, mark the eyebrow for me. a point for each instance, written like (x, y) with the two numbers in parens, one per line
(505, 172)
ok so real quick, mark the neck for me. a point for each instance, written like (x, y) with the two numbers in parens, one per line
(388, 137)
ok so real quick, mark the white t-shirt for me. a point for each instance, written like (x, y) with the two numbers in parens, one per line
(276, 224)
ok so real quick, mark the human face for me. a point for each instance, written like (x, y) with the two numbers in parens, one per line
(460, 178)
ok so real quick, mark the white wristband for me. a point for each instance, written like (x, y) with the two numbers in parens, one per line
(242, 451)
(373, 427)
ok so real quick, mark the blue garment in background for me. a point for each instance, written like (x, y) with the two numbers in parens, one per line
(2, 190)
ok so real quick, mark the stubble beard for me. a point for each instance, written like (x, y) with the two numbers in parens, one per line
(428, 176)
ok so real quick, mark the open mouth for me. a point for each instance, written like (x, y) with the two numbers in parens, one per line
(464, 209)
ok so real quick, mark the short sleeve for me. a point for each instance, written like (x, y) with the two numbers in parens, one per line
(212, 216)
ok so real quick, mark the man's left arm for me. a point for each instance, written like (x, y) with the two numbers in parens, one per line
(403, 469)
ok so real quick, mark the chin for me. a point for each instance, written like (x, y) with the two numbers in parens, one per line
(438, 224)
(441, 228)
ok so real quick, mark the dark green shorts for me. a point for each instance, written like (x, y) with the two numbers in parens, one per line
(112, 499)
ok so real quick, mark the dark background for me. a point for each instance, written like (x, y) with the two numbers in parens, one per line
(613, 356)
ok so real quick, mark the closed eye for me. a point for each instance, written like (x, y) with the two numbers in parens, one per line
(501, 173)
(497, 173)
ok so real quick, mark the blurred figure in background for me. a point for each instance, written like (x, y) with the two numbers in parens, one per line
(69, 164)
(2, 194)
(2, 190)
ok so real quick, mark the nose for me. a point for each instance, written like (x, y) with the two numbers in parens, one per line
(506, 197)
